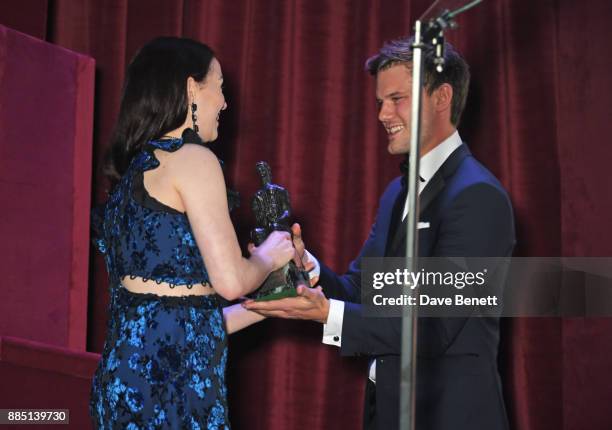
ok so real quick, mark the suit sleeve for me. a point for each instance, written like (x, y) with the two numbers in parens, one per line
(347, 287)
(478, 223)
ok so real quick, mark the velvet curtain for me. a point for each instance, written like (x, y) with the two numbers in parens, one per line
(538, 116)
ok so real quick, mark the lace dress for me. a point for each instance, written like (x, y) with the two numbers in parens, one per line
(163, 363)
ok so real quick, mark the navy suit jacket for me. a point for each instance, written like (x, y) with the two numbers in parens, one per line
(458, 385)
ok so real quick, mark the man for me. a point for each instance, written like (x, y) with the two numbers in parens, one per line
(469, 214)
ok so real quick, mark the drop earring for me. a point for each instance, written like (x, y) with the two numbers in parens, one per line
(194, 117)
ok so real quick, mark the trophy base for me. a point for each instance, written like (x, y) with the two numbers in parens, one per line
(277, 295)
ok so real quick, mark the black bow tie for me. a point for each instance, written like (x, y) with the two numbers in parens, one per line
(404, 169)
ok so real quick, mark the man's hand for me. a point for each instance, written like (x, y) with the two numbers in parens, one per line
(301, 258)
(298, 243)
(310, 304)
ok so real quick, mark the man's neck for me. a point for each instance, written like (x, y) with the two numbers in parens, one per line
(437, 140)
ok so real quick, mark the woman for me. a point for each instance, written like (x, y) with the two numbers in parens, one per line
(164, 358)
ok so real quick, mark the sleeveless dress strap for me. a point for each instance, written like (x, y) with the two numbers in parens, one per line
(148, 161)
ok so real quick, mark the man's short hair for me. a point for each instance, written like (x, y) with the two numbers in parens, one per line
(456, 72)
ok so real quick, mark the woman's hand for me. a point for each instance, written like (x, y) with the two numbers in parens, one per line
(275, 251)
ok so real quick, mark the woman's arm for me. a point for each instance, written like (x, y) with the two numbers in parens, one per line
(237, 317)
(199, 182)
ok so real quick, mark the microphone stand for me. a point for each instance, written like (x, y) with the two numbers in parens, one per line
(430, 34)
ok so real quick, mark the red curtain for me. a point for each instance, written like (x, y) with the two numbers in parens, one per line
(538, 115)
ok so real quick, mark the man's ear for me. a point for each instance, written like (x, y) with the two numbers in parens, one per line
(443, 97)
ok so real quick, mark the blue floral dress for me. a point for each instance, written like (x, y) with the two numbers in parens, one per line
(163, 363)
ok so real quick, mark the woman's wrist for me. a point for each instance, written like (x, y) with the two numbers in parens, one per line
(264, 264)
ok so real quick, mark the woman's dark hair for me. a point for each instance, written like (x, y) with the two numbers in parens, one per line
(154, 100)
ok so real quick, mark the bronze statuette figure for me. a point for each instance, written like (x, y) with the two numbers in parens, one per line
(272, 212)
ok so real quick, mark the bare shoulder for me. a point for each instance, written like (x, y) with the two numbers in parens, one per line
(194, 154)
(194, 161)
(197, 177)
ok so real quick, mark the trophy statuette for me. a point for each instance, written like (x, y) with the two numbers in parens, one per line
(272, 213)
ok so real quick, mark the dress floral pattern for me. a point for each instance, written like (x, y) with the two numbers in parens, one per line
(163, 363)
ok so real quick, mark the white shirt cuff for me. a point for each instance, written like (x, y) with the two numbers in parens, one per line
(316, 270)
(332, 331)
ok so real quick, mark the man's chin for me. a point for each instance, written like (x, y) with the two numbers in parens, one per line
(396, 148)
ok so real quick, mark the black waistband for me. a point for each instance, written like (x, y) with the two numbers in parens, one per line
(209, 301)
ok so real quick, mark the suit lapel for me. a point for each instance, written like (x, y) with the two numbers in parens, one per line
(432, 189)
(384, 217)
(428, 195)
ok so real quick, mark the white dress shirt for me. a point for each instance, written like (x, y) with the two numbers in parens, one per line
(428, 166)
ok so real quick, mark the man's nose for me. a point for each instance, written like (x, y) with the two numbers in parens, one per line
(385, 112)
